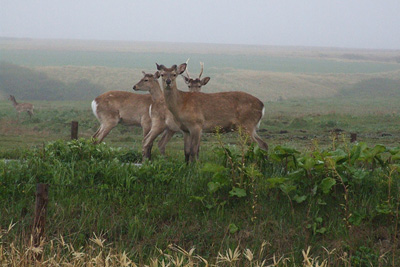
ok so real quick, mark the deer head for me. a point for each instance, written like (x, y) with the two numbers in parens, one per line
(195, 84)
(147, 82)
(168, 75)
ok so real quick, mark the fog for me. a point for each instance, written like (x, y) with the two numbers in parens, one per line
(366, 24)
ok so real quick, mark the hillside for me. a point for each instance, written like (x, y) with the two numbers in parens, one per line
(26, 83)
(72, 70)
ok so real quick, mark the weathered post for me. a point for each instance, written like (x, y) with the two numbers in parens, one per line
(74, 130)
(40, 216)
(353, 137)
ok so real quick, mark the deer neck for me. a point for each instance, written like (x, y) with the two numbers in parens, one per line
(14, 102)
(173, 99)
(156, 93)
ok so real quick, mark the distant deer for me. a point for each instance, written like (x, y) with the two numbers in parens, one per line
(21, 107)
(161, 118)
(197, 112)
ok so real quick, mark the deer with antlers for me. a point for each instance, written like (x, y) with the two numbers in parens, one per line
(197, 112)
(196, 83)
(162, 121)
(21, 107)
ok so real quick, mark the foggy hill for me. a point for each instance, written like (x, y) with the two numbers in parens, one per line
(28, 84)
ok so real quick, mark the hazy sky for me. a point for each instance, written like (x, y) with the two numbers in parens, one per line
(328, 23)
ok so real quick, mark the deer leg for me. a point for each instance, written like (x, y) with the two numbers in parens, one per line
(256, 138)
(195, 136)
(94, 137)
(148, 141)
(186, 146)
(146, 127)
(167, 135)
(104, 130)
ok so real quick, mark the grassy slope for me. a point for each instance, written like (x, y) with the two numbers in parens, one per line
(270, 73)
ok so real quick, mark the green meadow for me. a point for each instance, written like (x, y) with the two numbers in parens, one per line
(314, 199)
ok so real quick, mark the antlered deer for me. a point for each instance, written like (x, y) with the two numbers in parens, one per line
(161, 118)
(195, 84)
(196, 112)
(21, 107)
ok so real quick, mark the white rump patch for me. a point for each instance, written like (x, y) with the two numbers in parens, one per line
(94, 108)
(150, 110)
(262, 115)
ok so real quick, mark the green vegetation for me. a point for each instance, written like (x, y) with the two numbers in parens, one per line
(237, 198)
(316, 198)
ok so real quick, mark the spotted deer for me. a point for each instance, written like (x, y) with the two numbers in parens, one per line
(197, 112)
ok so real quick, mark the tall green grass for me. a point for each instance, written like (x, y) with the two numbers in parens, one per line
(344, 198)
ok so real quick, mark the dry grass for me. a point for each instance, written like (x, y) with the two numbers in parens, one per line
(98, 252)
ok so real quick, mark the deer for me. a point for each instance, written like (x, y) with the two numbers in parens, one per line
(161, 118)
(21, 107)
(114, 107)
(194, 85)
(197, 112)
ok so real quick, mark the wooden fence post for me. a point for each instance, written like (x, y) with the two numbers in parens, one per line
(39, 222)
(74, 130)
(353, 137)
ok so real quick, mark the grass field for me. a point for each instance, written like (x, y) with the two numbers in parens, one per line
(235, 207)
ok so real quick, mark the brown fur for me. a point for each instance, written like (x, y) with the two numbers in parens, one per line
(128, 108)
(196, 112)
(161, 118)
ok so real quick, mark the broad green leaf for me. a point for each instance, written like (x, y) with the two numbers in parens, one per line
(287, 188)
(286, 150)
(273, 182)
(309, 163)
(299, 199)
(213, 187)
(238, 192)
(378, 149)
(396, 157)
(326, 184)
(233, 228)
(213, 168)
(355, 154)
(338, 155)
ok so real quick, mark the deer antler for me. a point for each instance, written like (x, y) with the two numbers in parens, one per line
(186, 71)
(202, 67)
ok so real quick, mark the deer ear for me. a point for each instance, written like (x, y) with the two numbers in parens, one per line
(182, 68)
(186, 79)
(160, 67)
(144, 73)
(157, 75)
(205, 80)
